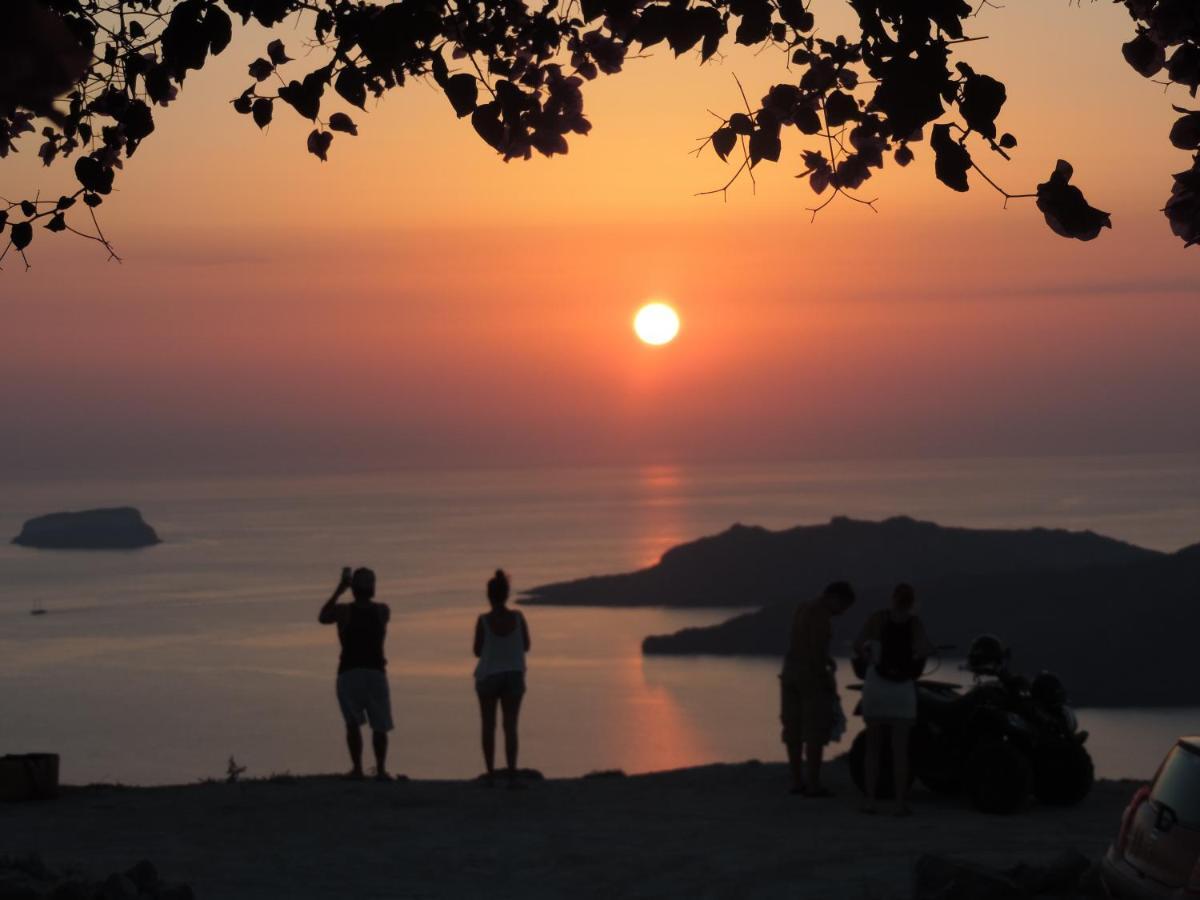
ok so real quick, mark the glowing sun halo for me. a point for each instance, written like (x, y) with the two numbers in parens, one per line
(656, 323)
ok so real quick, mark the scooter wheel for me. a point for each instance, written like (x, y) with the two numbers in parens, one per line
(1062, 774)
(998, 777)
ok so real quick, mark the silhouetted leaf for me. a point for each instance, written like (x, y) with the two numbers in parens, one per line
(217, 28)
(840, 108)
(463, 92)
(817, 170)
(351, 87)
(57, 223)
(1145, 55)
(792, 12)
(28, 208)
(21, 234)
(342, 122)
(93, 176)
(277, 53)
(186, 39)
(266, 12)
(138, 123)
(93, 200)
(487, 124)
(261, 69)
(741, 123)
(903, 155)
(1184, 66)
(723, 141)
(852, 171)
(714, 28)
(1185, 133)
(1007, 141)
(1183, 207)
(262, 110)
(951, 159)
(318, 144)
(909, 93)
(1065, 209)
(64, 202)
(782, 99)
(764, 145)
(982, 99)
(244, 102)
(755, 26)
(807, 120)
(304, 97)
(159, 86)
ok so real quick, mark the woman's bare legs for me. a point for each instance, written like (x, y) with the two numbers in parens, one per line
(487, 713)
(900, 733)
(871, 763)
(510, 705)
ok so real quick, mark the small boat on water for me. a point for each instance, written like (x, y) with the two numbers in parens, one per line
(37, 610)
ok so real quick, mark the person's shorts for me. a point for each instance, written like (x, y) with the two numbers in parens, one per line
(364, 697)
(888, 701)
(502, 684)
(806, 713)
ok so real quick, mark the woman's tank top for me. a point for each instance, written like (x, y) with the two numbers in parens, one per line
(501, 652)
(896, 649)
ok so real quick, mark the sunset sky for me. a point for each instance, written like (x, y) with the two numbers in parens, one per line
(416, 300)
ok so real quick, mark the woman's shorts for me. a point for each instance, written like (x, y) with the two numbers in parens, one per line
(363, 696)
(501, 684)
(885, 700)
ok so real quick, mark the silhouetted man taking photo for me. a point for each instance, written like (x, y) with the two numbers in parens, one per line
(362, 686)
(808, 689)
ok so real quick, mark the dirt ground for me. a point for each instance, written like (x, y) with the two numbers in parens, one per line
(717, 831)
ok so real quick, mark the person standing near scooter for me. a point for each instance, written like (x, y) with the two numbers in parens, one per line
(808, 689)
(894, 646)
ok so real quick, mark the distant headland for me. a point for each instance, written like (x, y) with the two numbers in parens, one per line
(1116, 621)
(118, 528)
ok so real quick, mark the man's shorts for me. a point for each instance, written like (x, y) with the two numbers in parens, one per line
(806, 713)
(364, 697)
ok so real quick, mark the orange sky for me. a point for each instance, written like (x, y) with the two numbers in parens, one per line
(417, 300)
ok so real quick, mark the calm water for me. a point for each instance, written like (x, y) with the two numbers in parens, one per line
(157, 665)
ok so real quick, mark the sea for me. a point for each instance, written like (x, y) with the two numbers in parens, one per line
(165, 664)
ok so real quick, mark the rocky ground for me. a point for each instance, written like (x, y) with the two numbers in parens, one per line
(717, 831)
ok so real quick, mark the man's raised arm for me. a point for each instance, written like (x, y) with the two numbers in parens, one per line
(328, 613)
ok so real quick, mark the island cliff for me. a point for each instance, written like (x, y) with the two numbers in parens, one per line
(119, 528)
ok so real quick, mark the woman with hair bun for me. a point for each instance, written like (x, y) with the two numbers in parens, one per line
(893, 647)
(501, 642)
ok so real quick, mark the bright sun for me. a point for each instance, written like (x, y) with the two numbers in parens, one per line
(656, 323)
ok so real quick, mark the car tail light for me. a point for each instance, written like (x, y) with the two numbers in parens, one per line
(1142, 795)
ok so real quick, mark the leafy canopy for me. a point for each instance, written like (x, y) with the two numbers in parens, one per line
(86, 76)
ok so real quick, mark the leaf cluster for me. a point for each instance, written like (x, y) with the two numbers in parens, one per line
(91, 76)
(1167, 43)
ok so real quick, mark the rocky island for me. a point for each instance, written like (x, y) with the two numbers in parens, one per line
(118, 528)
(1116, 621)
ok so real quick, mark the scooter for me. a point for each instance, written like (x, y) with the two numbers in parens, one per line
(998, 741)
